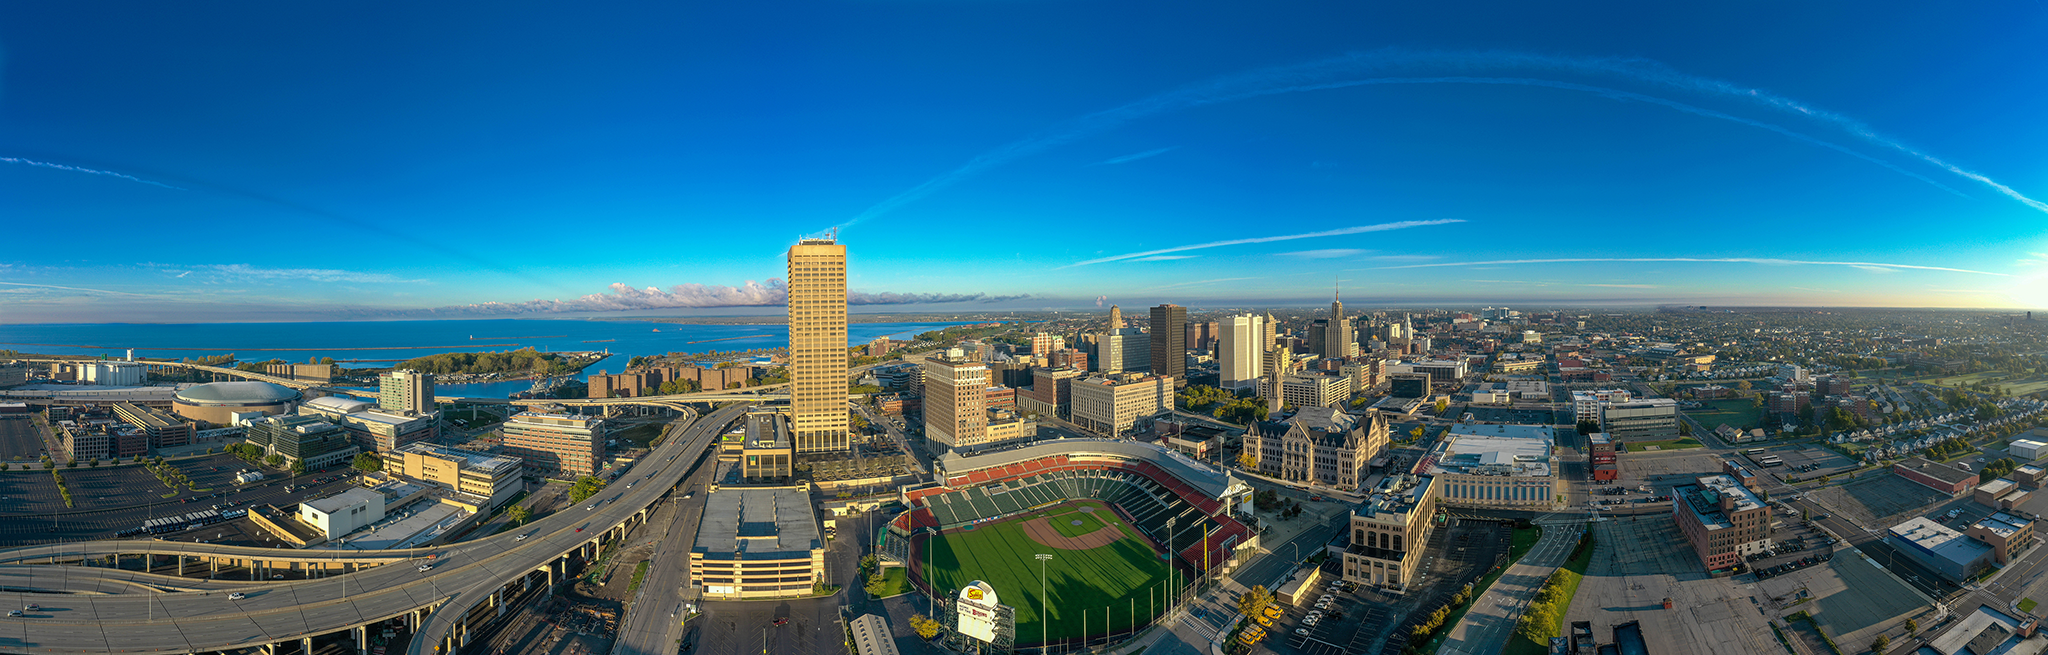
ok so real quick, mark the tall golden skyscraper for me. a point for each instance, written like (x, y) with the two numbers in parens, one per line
(817, 345)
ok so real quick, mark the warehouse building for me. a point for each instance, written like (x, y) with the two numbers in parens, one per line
(757, 542)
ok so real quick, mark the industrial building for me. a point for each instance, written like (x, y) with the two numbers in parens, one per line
(1495, 466)
(112, 374)
(1939, 476)
(757, 542)
(1723, 520)
(344, 512)
(1946, 551)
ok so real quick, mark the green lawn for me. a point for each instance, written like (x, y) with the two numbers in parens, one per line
(1740, 413)
(1100, 583)
(1567, 580)
(642, 436)
(1668, 444)
(896, 582)
(1064, 521)
(2027, 604)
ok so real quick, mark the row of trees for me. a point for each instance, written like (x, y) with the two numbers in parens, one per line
(524, 359)
(585, 487)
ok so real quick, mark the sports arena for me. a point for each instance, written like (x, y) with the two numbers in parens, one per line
(1128, 525)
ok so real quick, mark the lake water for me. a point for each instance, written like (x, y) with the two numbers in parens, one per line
(385, 343)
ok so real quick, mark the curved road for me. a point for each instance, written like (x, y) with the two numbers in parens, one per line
(466, 573)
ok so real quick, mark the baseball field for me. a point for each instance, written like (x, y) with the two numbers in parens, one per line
(1104, 571)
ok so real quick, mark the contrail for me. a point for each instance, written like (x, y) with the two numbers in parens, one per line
(52, 286)
(75, 169)
(1382, 227)
(1135, 156)
(1719, 260)
(1413, 67)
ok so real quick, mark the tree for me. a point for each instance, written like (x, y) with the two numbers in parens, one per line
(71, 464)
(925, 626)
(1416, 433)
(1879, 644)
(1247, 460)
(94, 463)
(1442, 405)
(519, 514)
(1912, 627)
(585, 487)
(368, 463)
(1254, 601)
(273, 460)
(1585, 427)
(299, 467)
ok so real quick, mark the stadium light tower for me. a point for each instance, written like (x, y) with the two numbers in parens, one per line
(1044, 614)
(1169, 559)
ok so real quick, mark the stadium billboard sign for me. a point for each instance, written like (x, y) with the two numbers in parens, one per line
(978, 611)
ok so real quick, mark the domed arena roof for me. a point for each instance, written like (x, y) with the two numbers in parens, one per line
(238, 393)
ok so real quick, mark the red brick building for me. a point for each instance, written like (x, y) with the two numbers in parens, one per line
(1934, 475)
(1600, 453)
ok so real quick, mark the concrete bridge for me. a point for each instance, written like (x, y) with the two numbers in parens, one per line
(466, 585)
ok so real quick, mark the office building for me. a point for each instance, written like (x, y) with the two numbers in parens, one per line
(1332, 337)
(1123, 350)
(1390, 532)
(2007, 534)
(757, 542)
(1310, 388)
(307, 372)
(1496, 466)
(1586, 404)
(161, 429)
(767, 452)
(13, 374)
(370, 427)
(559, 446)
(406, 392)
(1201, 337)
(1116, 318)
(817, 346)
(1408, 385)
(1723, 520)
(82, 442)
(1051, 392)
(1319, 445)
(309, 439)
(1073, 358)
(342, 513)
(1113, 404)
(1638, 419)
(1240, 351)
(487, 481)
(955, 399)
(1168, 343)
(1041, 344)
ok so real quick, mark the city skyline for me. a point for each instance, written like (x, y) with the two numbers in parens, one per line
(1219, 157)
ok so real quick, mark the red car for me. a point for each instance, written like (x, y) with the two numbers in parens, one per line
(579, 529)
(782, 621)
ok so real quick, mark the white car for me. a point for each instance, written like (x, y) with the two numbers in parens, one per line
(520, 538)
(426, 567)
(237, 596)
(589, 507)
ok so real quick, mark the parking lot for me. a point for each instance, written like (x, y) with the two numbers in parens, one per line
(20, 440)
(110, 499)
(1878, 501)
(1525, 414)
(1804, 462)
(1638, 563)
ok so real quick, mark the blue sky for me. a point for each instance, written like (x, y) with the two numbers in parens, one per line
(255, 161)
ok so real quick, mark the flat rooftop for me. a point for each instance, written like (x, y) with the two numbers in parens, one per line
(407, 530)
(758, 523)
(1703, 500)
(1504, 450)
(352, 497)
(1938, 540)
(470, 459)
(2002, 524)
(1937, 470)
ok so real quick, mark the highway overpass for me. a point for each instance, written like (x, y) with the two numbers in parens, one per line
(468, 584)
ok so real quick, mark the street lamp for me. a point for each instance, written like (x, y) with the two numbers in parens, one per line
(1044, 613)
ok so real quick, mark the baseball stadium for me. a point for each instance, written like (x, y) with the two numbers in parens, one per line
(1127, 525)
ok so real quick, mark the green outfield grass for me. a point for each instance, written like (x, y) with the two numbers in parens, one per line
(1066, 516)
(1077, 582)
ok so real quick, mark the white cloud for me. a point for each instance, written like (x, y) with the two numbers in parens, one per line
(1721, 260)
(1164, 258)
